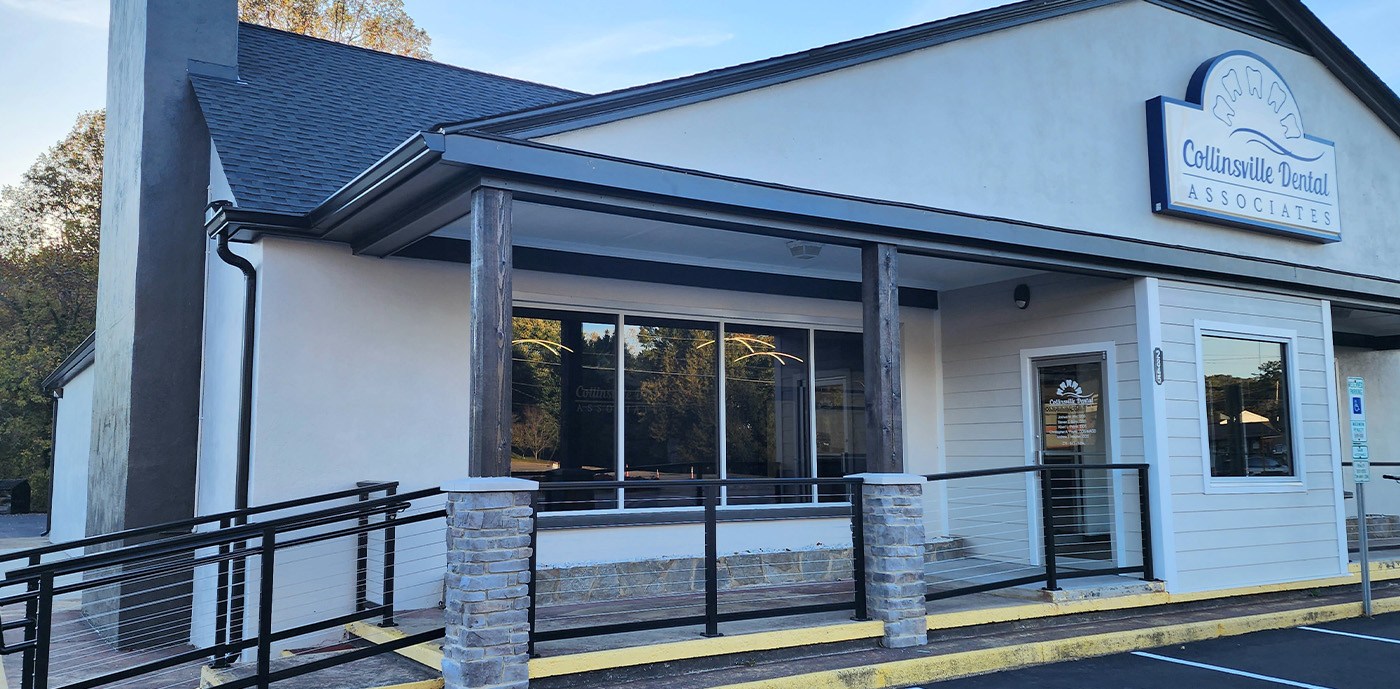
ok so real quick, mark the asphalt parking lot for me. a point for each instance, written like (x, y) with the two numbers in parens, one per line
(1350, 654)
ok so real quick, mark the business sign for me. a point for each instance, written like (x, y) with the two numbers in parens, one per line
(1235, 153)
(1360, 451)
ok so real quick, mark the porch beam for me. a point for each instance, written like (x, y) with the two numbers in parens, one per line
(884, 447)
(491, 333)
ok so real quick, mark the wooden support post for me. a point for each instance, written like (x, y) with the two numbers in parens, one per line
(884, 447)
(491, 333)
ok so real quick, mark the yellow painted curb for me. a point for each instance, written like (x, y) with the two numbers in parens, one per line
(590, 661)
(1380, 571)
(425, 653)
(953, 665)
(701, 648)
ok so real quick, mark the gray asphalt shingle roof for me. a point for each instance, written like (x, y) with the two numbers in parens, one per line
(307, 115)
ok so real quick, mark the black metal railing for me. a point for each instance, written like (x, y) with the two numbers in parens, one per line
(139, 598)
(1383, 502)
(709, 614)
(991, 517)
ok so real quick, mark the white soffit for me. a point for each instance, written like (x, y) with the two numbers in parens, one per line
(579, 231)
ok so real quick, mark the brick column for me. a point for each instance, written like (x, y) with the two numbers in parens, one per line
(893, 510)
(489, 521)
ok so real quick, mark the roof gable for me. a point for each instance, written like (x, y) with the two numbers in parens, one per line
(305, 115)
(1285, 22)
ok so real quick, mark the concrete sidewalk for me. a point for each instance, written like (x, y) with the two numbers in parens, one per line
(967, 651)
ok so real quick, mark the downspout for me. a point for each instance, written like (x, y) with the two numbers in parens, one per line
(245, 391)
(232, 600)
(54, 395)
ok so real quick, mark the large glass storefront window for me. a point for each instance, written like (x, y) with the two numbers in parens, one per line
(1246, 386)
(672, 413)
(766, 411)
(563, 385)
(839, 365)
(780, 402)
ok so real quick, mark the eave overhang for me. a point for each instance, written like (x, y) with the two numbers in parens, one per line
(426, 184)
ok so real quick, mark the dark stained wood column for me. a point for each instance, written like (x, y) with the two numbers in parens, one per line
(884, 444)
(491, 333)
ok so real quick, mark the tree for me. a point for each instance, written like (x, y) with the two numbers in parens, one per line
(49, 233)
(376, 24)
(48, 289)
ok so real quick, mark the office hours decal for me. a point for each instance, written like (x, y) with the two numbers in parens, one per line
(1071, 416)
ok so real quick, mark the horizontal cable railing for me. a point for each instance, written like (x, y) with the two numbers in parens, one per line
(184, 526)
(154, 614)
(1382, 508)
(711, 584)
(1015, 526)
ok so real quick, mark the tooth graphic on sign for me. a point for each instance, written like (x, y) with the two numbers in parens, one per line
(1291, 130)
(1223, 111)
(1256, 81)
(1231, 82)
(1277, 96)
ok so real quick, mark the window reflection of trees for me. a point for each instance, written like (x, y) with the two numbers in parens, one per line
(565, 418)
(1247, 407)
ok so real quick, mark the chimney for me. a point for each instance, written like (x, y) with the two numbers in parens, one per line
(150, 297)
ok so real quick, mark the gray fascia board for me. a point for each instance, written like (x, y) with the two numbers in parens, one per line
(694, 194)
(76, 362)
(415, 154)
(640, 100)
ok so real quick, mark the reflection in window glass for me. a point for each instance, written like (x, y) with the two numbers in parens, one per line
(1247, 407)
(840, 403)
(563, 385)
(670, 423)
(765, 393)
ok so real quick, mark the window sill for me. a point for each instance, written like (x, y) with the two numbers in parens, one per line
(550, 521)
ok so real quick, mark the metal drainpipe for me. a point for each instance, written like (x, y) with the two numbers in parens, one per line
(245, 392)
(54, 395)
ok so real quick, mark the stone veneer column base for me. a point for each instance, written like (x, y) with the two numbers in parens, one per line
(489, 521)
(892, 506)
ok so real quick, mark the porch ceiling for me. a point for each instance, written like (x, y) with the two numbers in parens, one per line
(600, 234)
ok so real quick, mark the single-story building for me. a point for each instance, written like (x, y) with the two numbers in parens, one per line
(1074, 232)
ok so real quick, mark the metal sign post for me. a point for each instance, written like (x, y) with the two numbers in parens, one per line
(1361, 474)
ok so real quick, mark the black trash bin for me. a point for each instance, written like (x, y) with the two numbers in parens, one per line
(14, 496)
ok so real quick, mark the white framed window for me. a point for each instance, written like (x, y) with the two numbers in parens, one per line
(1247, 378)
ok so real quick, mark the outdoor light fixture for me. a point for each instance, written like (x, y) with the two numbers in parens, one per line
(803, 250)
(1022, 296)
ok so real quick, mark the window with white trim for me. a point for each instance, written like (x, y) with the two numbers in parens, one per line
(1249, 424)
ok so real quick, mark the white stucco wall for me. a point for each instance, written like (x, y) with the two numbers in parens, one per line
(361, 374)
(72, 444)
(1381, 371)
(1043, 123)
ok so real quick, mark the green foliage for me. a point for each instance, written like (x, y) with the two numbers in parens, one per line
(49, 234)
(376, 24)
(48, 289)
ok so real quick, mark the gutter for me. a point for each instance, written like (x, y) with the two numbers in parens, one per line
(245, 388)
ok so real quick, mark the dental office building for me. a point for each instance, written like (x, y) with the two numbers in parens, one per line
(1063, 231)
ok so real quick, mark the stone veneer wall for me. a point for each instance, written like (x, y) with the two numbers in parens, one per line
(589, 583)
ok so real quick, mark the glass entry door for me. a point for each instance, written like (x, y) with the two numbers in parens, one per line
(1073, 430)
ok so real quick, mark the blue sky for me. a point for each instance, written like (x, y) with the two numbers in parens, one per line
(53, 52)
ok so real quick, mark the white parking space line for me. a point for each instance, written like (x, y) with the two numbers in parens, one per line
(1228, 671)
(1352, 635)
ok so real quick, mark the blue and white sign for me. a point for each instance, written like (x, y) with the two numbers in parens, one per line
(1360, 451)
(1235, 152)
